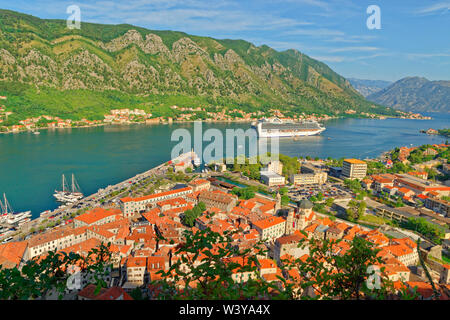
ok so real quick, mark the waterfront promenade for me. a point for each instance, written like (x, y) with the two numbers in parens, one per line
(96, 199)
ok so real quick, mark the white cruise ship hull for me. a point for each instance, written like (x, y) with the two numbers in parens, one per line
(272, 128)
(272, 134)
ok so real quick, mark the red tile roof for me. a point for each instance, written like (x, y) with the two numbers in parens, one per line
(97, 214)
(11, 253)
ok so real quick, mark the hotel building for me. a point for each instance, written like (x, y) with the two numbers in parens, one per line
(354, 169)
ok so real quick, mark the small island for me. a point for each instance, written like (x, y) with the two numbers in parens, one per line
(440, 132)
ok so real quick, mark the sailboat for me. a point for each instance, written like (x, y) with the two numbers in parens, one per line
(10, 217)
(67, 195)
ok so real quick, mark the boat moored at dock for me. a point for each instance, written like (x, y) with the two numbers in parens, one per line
(9, 216)
(67, 195)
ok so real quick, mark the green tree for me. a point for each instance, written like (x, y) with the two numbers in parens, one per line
(212, 261)
(340, 276)
(190, 215)
(41, 276)
(136, 294)
(353, 210)
(284, 200)
(244, 193)
(361, 209)
(320, 196)
(329, 202)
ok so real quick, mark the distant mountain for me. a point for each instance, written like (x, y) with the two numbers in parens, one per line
(47, 68)
(415, 94)
(368, 87)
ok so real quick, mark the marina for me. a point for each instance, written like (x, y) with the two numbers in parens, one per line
(16, 222)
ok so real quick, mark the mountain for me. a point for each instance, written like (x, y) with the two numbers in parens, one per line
(415, 94)
(47, 68)
(367, 87)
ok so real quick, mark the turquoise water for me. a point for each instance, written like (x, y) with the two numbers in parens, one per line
(31, 165)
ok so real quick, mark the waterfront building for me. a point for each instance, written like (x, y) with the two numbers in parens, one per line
(57, 239)
(96, 216)
(310, 168)
(421, 186)
(129, 205)
(320, 175)
(354, 169)
(308, 178)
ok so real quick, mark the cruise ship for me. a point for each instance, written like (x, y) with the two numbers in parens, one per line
(275, 127)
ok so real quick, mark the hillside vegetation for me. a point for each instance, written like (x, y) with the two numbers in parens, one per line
(46, 68)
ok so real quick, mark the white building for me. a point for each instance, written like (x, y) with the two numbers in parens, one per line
(272, 179)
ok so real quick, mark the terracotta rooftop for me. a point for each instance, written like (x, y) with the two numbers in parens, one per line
(11, 253)
(97, 214)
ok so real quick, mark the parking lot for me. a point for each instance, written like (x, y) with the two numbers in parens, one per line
(329, 190)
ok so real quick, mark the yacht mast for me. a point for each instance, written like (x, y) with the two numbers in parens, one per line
(2, 208)
(63, 183)
(75, 186)
(6, 205)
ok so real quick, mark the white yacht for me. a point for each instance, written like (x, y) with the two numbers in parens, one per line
(67, 195)
(9, 216)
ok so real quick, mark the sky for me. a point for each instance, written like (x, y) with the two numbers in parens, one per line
(413, 38)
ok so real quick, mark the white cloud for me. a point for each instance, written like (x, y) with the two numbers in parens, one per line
(339, 59)
(441, 7)
(346, 49)
(351, 39)
(188, 16)
(329, 58)
(415, 56)
(321, 32)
